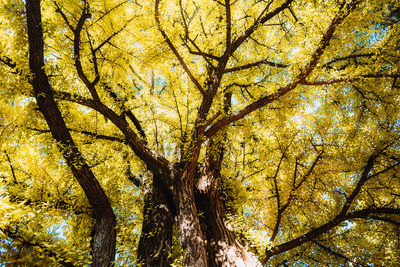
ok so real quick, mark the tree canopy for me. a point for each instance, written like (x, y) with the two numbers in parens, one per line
(200, 133)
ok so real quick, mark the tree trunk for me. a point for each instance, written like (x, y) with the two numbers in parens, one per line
(104, 239)
(212, 244)
(222, 246)
(192, 239)
(156, 237)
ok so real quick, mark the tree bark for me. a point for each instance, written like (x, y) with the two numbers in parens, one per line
(156, 238)
(192, 238)
(104, 240)
(212, 244)
(222, 246)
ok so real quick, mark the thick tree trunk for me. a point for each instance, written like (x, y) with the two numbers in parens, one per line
(192, 239)
(222, 246)
(104, 239)
(156, 237)
(212, 244)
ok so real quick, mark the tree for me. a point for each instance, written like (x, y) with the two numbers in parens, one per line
(200, 133)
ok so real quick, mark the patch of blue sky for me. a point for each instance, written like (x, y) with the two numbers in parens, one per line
(326, 196)
(84, 110)
(58, 230)
(347, 225)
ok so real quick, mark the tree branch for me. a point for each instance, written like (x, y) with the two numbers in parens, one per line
(255, 64)
(236, 43)
(278, 202)
(49, 109)
(175, 51)
(205, 56)
(361, 214)
(78, 65)
(364, 177)
(135, 180)
(228, 24)
(201, 53)
(104, 238)
(372, 76)
(88, 133)
(335, 253)
(18, 237)
(11, 168)
(59, 10)
(343, 214)
(108, 39)
(347, 57)
(282, 208)
(126, 112)
(385, 219)
(151, 158)
(340, 16)
(10, 63)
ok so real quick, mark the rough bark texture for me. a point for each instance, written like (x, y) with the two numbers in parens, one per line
(222, 246)
(104, 239)
(192, 239)
(156, 237)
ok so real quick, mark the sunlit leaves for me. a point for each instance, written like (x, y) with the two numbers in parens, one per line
(346, 110)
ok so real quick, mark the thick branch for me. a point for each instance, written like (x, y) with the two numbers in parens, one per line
(151, 158)
(363, 214)
(103, 251)
(340, 16)
(255, 64)
(48, 107)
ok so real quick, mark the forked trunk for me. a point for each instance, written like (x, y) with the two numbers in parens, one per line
(204, 237)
